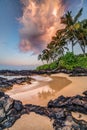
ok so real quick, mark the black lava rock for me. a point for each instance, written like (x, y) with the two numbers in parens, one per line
(18, 105)
(1, 94)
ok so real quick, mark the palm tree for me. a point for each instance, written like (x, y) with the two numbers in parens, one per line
(40, 57)
(81, 34)
(69, 21)
(44, 56)
(57, 46)
(74, 32)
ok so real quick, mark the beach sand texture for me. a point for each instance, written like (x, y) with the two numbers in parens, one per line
(41, 91)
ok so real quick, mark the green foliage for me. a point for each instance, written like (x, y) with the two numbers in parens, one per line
(70, 61)
(51, 66)
(43, 67)
(82, 61)
(74, 32)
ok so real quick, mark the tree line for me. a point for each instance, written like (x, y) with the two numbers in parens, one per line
(74, 32)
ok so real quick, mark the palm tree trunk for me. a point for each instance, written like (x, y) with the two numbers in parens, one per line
(42, 62)
(80, 45)
(72, 48)
(83, 46)
(83, 50)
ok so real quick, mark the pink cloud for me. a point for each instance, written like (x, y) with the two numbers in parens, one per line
(40, 21)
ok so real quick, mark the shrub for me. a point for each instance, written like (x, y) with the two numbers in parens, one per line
(43, 67)
(82, 62)
(53, 65)
(50, 66)
(71, 61)
(68, 61)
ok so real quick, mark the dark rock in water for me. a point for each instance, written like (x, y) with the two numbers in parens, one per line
(6, 84)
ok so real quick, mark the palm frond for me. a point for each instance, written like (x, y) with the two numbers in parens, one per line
(78, 15)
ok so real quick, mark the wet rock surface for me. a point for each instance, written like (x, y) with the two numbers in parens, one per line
(7, 84)
(59, 110)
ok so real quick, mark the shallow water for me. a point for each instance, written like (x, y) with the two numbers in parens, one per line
(42, 89)
(10, 77)
(42, 92)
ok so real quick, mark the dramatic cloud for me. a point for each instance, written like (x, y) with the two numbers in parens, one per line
(40, 20)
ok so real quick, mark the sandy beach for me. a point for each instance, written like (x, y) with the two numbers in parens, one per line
(40, 92)
(78, 85)
(42, 89)
(33, 122)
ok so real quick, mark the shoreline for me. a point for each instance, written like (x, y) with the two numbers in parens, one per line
(42, 89)
(78, 71)
(33, 121)
(77, 86)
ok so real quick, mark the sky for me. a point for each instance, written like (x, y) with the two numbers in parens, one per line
(27, 26)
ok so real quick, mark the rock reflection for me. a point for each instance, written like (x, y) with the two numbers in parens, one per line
(53, 87)
(46, 94)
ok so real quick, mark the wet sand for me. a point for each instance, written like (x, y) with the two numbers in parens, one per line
(78, 85)
(41, 92)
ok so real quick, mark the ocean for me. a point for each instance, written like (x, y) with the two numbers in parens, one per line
(22, 67)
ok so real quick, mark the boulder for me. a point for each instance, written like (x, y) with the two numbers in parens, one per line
(1, 94)
(85, 93)
(59, 110)
(18, 105)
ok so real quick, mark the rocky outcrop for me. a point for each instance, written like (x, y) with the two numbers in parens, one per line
(78, 71)
(7, 84)
(10, 111)
(76, 104)
(59, 110)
